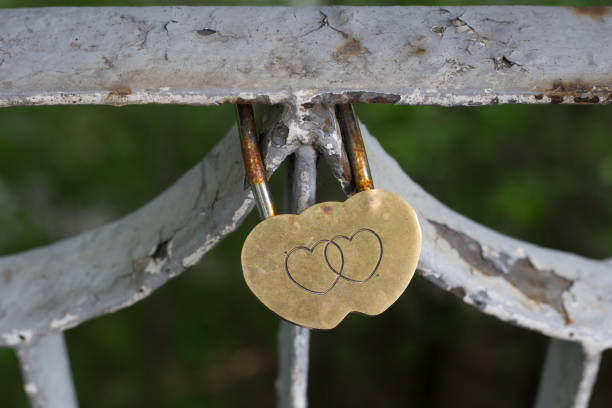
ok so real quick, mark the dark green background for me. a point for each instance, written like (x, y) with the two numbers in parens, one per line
(540, 173)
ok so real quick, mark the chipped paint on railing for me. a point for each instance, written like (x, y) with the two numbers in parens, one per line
(214, 55)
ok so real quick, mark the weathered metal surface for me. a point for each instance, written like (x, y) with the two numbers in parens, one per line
(351, 136)
(304, 59)
(568, 377)
(211, 55)
(559, 294)
(294, 341)
(255, 169)
(46, 373)
(114, 266)
(556, 293)
(293, 359)
(334, 258)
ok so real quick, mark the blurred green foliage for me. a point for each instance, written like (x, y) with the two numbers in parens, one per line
(540, 173)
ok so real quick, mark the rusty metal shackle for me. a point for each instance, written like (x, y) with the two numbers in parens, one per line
(255, 168)
(253, 164)
(355, 149)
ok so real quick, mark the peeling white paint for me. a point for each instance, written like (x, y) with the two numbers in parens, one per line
(31, 389)
(103, 267)
(137, 296)
(169, 248)
(471, 36)
(64, 322)
(11, 338)
(489, 252)
(17, 337)
(441, 263)
(155, 265)
(46, 372)
(142, 293)
(520, 252)
(243, 210)
(195, 257)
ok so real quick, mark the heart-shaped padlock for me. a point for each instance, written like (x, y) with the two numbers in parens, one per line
(334, 258)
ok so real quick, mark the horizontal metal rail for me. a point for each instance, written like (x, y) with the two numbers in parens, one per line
(212, 55)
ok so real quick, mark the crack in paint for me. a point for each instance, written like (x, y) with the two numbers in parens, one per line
(540, 285)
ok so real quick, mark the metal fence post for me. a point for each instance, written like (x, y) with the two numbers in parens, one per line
(46, 372)
(294, 341)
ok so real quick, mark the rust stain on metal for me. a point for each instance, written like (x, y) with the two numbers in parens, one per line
(418, 51)
(417, 48)
(362, 180)
(556, 99)
(355, 147)
(117, 96)
(8, 276)
(347, 173)
(265, 99)
(578, 92)
(438, 30)
(353, 97)
(575, 87)
(502, 63)
(539, 285)
(350, 48)
(270, 208)
(254, 168)
(458, 291)
(372, 97)
(586, 99)
(592, 11)
(253, 164)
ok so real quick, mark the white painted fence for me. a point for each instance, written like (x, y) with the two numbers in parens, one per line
(302, 61)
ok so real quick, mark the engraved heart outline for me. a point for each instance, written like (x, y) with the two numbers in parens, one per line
(311, 250)
(338, 273)
(350, 239)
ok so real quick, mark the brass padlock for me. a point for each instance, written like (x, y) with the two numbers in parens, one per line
(334, 258)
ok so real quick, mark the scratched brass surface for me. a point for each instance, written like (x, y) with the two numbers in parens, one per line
(334, 258)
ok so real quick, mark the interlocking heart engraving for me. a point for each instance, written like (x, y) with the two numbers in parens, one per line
(336, 271)
(335, 258)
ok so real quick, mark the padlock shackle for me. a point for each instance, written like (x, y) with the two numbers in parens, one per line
(256, 171)
(353, 143)
(253, 164)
